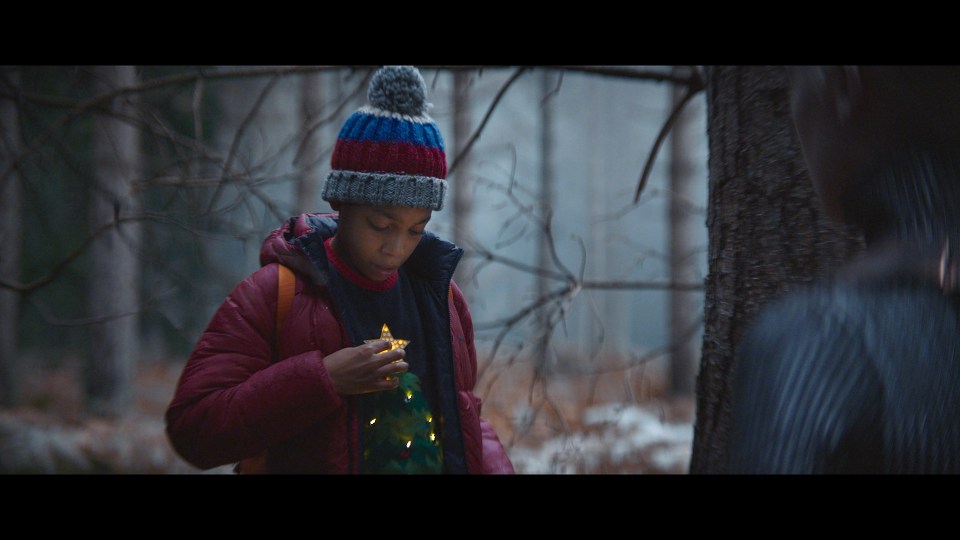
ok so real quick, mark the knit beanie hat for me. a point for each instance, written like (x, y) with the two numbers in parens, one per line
(390, 152)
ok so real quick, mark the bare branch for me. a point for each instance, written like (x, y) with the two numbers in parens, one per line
(692, 90)
(231, 155)
(641, 285)
(619, 72)
(554, 91)
(77, 109)
(486, 117)
(548, 232)
(360, 87)
(176, 80)
(525, 312)
(63, 263)
(693, 80)
(53, 320)
(197, 99)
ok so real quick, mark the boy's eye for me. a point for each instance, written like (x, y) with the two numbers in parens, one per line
(379, 228)
(416, 233)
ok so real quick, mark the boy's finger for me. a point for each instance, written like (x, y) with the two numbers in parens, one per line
(378, 345)
(395, 368)
(391, 372)
(390, 357)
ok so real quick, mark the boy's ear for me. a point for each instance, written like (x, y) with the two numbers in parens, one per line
(335, 205)
(848, 91)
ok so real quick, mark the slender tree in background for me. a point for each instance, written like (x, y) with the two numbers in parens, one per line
(547, 178)
(766, 232)
(595, 204)
(9, 233)
(682, 245)
(308, 181)
(114, 276)
(462, 185)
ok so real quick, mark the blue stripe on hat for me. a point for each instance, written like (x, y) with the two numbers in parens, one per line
(433, 137)
(368, 127)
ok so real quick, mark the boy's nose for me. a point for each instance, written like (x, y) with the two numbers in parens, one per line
(392, 246)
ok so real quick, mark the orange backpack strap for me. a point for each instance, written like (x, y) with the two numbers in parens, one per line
(286, 288)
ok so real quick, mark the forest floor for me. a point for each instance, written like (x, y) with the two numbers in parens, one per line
(573, 425)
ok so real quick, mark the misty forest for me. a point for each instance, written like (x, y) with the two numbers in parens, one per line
(621, 224)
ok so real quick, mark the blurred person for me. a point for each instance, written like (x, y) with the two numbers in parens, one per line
(861, 373)
(374, 367)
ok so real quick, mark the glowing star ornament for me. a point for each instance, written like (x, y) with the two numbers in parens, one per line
(395, 343)
(385, 335)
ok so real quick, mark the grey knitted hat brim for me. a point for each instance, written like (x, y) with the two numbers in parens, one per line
(376, 189)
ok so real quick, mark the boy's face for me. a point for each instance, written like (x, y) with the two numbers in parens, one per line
(376, 240)
(828, 149)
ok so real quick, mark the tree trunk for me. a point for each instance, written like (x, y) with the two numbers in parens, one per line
(595, 203)
(114, 278)
(547, 178)
(9, 234)
(684, 305)
(462, 183)
(766, 232)
(308, 182)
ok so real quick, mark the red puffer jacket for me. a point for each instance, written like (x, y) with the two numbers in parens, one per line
(239, 395)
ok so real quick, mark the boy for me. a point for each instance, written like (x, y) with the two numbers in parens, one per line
(860, 374)
(373, 368)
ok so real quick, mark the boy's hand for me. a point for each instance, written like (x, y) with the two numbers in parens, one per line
(360, 370)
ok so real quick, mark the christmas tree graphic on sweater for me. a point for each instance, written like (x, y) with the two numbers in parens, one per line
(399, 435)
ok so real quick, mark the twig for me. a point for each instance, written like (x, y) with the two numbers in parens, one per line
(639, 74)
(357, 90)
(486, 117)
(248, 119)
(692, 90)
(63, 263)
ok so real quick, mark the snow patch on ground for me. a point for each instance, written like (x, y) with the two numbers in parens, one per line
(619, 438)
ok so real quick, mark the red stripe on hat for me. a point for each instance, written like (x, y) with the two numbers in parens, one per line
(389, 157)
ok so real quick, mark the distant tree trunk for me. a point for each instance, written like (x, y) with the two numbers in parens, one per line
(684, 305)
(595, 203)
(9, 233)
(462, 182)
(311, 100)
(547, 178)
(114, 274)
(766, 232)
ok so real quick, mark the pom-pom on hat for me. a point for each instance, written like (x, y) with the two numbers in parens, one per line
(390, 152)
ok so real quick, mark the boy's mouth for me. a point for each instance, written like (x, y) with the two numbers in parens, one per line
(383, 272)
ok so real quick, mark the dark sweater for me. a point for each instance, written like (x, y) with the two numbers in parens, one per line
(399, 434)
(862, 374)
